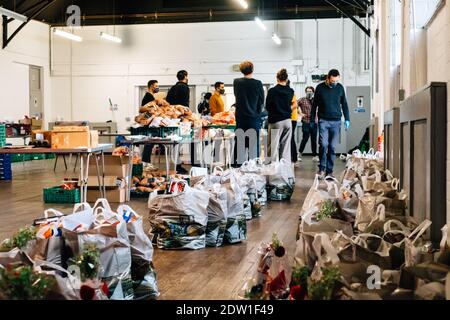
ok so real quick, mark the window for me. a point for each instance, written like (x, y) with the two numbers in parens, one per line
(396, 32)
(422, 12)
(163, 93)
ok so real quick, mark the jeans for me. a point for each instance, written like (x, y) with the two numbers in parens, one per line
(329, 133)
(308, 131)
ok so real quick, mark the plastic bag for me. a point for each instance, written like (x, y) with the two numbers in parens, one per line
(142, 269)
(282, 182)
(179, 220)
(109, 233)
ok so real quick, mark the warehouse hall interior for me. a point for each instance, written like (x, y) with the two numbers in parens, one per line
(225, 150)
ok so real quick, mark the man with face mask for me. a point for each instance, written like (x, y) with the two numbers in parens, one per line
(216, 103)
(330, 102)
(152, 89)
(309, 128)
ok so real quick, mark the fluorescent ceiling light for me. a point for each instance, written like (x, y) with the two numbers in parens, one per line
(67, 35)
(243, 3)
(110, 37)
(276, 39)
(12, 14)
(260, 23)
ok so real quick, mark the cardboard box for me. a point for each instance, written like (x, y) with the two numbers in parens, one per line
(36, 123)
(74, 137)
(115, 166)
(44, 134)
(117, 195)
(70, 129)
(115, 181)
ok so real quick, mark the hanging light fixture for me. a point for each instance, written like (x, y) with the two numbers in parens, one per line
(260, 23)
(108, 36)
(276, 39)
(243, 3)
(67, 35)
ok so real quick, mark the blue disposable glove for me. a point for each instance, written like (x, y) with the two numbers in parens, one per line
(347, 124)
(312, 125)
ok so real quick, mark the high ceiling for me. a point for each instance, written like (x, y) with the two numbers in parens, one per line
(106, 12)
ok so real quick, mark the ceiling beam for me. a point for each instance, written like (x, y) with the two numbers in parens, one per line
(351, 17)
(6, 40)
(209, 15)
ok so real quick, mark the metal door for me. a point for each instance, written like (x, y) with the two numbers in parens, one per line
(36, 108)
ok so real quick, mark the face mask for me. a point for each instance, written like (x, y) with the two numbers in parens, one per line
(333, 84)
(222, 91)
(309, 95)
(156, 90)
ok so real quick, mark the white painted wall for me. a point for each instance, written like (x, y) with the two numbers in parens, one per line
(29, 47)
(86, 74)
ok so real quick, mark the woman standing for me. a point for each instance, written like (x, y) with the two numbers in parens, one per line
(279, 108)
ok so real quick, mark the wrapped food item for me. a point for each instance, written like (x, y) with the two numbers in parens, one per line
(225, 117)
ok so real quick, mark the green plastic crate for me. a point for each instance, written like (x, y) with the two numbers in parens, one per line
(58, 195)
(20, 157)
(138, 169)
(50, 156)
(38, 156)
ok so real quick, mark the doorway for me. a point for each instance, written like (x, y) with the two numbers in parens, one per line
(36, 108)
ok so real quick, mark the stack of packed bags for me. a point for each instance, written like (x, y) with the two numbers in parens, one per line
(355, 239)
(215, 208)
(92, 254)
(209, 213)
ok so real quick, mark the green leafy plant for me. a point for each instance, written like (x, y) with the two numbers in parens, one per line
(20, 239)
(327, 209)
(300, 276)
(277, 246)
(88, 262)
(255, 293)
(323, 289)
(22, 283)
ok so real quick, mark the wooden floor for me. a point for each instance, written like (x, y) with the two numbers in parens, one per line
(211, 273)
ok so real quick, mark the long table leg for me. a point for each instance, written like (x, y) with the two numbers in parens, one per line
(103, 173)
(130, 172)
(98, 176)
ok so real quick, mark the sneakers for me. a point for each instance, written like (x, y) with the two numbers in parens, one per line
(321, 175)
(330, 175)
(316, 159)
(299, 157)
(297, 164)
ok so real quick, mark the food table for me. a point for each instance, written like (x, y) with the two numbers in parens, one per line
(85, 155)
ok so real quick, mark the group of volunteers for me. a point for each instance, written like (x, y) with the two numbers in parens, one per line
(320, 112)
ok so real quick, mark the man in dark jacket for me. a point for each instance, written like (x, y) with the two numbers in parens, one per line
(179, 93)
(279, 108)
(152, 89)
(249, 95)
(330, 102)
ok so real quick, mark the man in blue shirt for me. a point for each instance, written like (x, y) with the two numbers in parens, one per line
(330, 102)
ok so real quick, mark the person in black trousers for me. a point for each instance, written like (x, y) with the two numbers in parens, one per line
(179, 94)
(152, 89)
(249, 95)
(309, 128)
